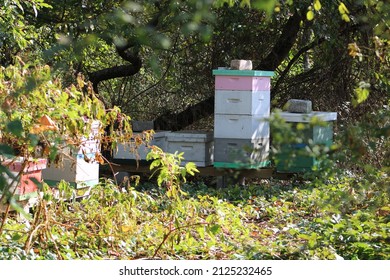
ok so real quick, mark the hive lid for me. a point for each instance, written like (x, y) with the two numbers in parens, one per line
(298, 117)
(190, 136)
(253, 73)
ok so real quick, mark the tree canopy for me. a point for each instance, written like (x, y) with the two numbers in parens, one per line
(154, 58)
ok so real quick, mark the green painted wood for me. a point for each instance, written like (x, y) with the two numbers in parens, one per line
(253, 73)
(238, 165)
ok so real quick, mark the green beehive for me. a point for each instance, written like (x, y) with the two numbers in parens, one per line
(295, 157)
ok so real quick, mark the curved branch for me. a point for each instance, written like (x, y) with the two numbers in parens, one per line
(294, 59)
(114, 72)
(171, 121)
(128, 52)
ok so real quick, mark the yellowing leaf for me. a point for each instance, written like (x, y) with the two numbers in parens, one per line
(245, 3)
(310, 15)
(343, 9)
(46, 120)
(99, 158)
(345, 18)
(354, 50)
(126, 228)
(300, 126)
(45, 124)
(317, 5)
(361, 94)
(80, 81)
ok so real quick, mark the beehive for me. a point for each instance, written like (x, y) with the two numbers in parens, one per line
(294, 157)
(241, 126)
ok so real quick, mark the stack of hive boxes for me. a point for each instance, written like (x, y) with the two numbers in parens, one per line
(241, 128)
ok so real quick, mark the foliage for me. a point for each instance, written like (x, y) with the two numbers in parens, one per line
(343, 218)
(340, 62)
(170, 170)
(40, 118)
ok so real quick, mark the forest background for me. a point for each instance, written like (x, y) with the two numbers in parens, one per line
(152, 60)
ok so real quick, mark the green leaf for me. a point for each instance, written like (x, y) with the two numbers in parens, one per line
(214, 229)
(200, 231)
(15, 127)
(6, 150)
(155, 163)
(361, 94)
(16, 237)
(265, 5)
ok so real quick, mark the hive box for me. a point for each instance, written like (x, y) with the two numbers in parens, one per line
(129, 150)
(248, 80)
(241, 153)
(241, 126)
(295, 157)
(78, 172)
(242, 102)
(196, 145)
(26, 187)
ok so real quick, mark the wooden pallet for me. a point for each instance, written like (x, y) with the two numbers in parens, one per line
(223, 174)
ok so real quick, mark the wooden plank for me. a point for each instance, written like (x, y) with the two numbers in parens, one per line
(262, 173)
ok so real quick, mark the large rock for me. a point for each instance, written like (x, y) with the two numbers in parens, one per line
(298, 106)
(238, 64)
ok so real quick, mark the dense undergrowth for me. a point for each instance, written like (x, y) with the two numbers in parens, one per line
(340, 211)
(342, 218)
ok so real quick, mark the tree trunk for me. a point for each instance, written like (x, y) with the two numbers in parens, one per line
(284, 44)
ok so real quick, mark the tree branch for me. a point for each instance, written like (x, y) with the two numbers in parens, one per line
(128, 52)
(284, 44)
(294, 59)
(187, 117)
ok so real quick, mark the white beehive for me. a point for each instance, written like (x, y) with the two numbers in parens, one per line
(130, 151)
(196, 145)
(81, 169)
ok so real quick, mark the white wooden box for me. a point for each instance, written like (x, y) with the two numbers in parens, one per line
(196, 145)
(242, 102)
(130, 151)
(241, 126)
(77, 171)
